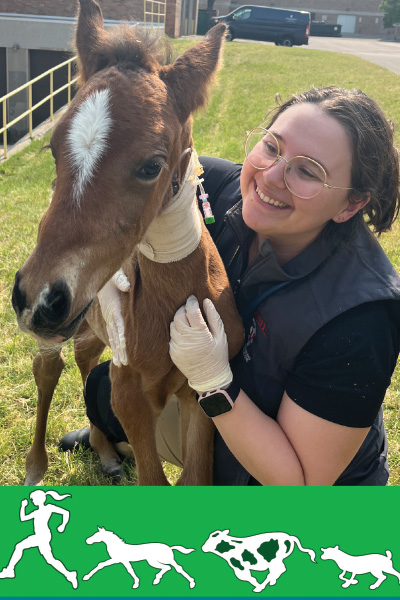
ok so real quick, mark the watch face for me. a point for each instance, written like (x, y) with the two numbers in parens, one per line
(215, 405)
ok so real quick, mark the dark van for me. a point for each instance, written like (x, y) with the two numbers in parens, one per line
(282, 26)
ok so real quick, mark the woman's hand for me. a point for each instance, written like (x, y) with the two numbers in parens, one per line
(199, 351)
(110, 304)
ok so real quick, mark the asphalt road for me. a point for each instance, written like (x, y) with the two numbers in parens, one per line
(383, 53)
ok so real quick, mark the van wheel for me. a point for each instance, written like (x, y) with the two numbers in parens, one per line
(229, 35)
(287, 41)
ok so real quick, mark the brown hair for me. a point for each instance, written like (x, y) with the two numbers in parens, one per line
(375, 164)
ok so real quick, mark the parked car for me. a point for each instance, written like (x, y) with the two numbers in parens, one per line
(325, 29)
(279, 25)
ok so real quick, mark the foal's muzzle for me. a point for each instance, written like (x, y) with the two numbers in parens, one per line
(46, 318)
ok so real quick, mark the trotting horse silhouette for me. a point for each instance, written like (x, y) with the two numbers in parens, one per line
(159, 556)
(124, 160)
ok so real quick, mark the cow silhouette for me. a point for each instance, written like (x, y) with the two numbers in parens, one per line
(265, 551)
(376, 564)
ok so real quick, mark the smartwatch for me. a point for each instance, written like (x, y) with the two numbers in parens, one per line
(219, 401)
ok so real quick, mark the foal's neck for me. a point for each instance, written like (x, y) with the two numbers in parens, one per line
(176, 232)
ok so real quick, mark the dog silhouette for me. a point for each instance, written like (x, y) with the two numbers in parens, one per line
(376, 564)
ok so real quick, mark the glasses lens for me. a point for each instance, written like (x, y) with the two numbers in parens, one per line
(261, 148)
(304, 177)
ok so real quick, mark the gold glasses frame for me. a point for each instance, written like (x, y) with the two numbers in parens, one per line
(287, 167)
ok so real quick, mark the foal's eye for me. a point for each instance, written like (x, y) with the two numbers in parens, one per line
(151, 169)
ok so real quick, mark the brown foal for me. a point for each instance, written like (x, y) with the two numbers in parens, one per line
(118, 149)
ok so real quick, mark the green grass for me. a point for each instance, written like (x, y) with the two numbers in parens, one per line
(251, 76)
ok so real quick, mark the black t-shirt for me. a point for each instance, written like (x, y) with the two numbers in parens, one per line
(342, 373)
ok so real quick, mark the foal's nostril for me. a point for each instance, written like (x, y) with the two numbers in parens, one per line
(54, 308)
(18, 298)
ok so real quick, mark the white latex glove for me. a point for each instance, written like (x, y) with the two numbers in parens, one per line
(199, 351)
(110, 304)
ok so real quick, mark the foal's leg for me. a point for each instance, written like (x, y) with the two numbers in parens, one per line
(47, 368)
(137, 415)
(101, 565)
(182, 571)
(199, 441)
(88, 349)
(132, 573)
(162, 569)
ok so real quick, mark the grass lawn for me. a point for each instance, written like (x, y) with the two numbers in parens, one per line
(251, 76)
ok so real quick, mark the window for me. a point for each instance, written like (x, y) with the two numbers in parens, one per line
(242, 15)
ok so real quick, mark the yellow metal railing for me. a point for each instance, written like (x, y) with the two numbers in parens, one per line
(50, 96)
(154, 12)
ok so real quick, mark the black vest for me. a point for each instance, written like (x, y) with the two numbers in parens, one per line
(319, 284)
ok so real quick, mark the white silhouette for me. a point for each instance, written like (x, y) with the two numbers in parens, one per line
(159, 556)
(376, 564)
(255, 553)
(42, 537)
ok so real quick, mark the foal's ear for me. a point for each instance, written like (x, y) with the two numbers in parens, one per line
(90, 34)
(190, 76)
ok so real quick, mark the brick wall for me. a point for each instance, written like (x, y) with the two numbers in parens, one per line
(122, 10)
(172, 18)
(112, 9)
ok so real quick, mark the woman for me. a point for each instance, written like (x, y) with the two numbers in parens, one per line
(319, 298)
(42, 534)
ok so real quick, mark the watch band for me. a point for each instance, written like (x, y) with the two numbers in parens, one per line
(220, 401)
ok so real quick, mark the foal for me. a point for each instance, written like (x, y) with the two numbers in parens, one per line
(121, 154)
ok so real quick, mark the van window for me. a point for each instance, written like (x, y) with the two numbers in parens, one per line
(242, 15)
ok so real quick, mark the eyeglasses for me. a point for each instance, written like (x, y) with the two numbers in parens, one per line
(303, 176)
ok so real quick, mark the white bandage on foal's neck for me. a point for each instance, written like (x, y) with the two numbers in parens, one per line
(176, 232)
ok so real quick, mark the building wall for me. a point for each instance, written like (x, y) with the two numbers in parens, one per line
(131, 10)
(119, 10)
(32, 32)
(369, 19)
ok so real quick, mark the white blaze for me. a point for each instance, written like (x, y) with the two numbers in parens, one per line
(87, 138)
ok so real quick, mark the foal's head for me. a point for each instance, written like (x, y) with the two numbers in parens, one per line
(116, 150)
(98, 536)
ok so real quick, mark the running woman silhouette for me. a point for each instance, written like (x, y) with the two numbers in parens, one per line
(42, 535)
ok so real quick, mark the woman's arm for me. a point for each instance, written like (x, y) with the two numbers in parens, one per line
(300, 447)
(22, 514)
(297, 449)
(65, 517)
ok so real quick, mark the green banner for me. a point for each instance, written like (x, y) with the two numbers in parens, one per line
(213, 542)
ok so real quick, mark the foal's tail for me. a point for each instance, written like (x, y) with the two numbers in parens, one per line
(183, 550)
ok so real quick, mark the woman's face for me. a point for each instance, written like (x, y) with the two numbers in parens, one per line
(274, 212)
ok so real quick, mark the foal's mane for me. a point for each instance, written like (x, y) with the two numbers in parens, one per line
(110, 535)
(130, 48)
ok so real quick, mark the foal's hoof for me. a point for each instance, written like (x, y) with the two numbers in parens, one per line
(34, 481)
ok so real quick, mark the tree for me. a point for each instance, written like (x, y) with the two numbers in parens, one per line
(391, 9)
